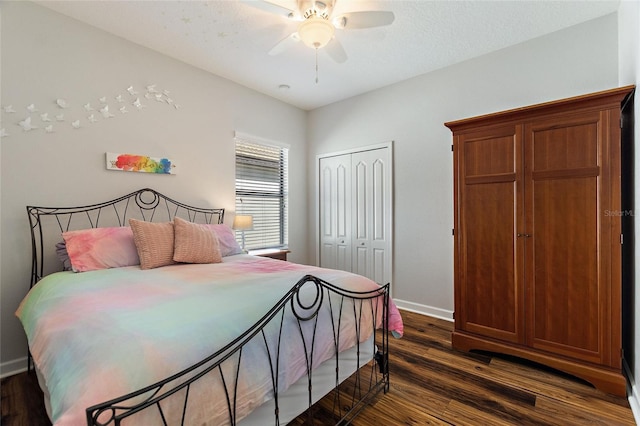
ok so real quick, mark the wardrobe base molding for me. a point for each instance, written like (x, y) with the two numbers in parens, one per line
(605, 379)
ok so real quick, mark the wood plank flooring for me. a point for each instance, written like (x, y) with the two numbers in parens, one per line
(431, 384)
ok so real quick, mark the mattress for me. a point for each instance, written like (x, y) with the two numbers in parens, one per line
(157, 319)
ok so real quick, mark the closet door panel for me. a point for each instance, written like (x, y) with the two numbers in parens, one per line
(361, 216)
(335, 212)
(361, 194)
(379, 195)
(327, 225)
(343, 199)
(343, 214)
(361, 261)
(380, 273)
(381, 217)
(372, 214)
(343, 257)
(381, 221)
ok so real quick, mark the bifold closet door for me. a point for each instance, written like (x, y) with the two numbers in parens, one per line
(355, 213)
(335, 212)
(371, 224)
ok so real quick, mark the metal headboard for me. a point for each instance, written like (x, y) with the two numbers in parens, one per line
(47, 223)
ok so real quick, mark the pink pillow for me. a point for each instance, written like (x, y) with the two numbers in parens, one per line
(194, 243)
(101, 248)
(227, 240)
(154, 242)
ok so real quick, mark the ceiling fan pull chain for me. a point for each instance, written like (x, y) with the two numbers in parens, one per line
(316, 65)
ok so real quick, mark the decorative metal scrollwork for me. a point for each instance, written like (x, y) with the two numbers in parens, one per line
(147, 205)
(298, 305)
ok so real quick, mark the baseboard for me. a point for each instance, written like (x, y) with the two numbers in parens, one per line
(632, 392)
(634, 403)
(424, 309)
(13, 367)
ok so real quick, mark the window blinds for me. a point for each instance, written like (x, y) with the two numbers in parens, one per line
(261, 191)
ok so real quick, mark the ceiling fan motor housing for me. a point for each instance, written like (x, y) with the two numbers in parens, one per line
(321, 9)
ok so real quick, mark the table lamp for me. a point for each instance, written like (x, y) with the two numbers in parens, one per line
(243, 223)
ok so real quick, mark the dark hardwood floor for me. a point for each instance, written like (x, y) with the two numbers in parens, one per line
(431, 384)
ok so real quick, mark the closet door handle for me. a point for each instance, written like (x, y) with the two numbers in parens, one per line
(523, 235)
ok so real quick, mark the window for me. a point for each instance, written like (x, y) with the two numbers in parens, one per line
(261, 191)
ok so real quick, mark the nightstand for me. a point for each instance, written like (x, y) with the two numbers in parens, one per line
(279, 254)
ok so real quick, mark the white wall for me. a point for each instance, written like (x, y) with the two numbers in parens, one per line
(46, 56)
(629, 73)
(575, 61)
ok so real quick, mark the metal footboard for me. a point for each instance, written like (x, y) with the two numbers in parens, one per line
(349, 397)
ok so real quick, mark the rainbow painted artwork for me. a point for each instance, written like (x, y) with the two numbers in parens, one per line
(140, 163)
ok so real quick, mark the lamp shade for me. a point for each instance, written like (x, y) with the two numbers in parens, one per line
(316, 32)
(243, 222)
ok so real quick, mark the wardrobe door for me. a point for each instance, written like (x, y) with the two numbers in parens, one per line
(371, 186)
(489, 289)
(335, 212)
(569, 255)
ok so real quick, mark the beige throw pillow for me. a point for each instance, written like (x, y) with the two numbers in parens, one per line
(154, 242)
(194, 243)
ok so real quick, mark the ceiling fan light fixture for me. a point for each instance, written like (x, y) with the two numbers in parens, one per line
(316, 32)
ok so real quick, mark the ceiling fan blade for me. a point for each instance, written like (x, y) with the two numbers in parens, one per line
(270, 7)
(284, 44)
(357, 20)
(336, 51)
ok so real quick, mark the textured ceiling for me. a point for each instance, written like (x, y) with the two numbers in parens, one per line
(232, 38)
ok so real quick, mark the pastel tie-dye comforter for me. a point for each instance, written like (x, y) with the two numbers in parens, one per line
(101, 334)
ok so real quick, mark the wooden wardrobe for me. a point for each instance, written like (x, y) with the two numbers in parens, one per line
(538, 212)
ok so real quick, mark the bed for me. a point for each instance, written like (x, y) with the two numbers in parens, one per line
(157, 317)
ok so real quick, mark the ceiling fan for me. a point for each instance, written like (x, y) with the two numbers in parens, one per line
(317, 26)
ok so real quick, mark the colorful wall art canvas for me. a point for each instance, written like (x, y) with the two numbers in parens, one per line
(140, 163)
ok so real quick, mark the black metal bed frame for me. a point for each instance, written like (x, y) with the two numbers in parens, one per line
(349, 397)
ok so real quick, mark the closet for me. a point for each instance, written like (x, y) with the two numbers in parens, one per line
(538, 235)
(354, 205)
